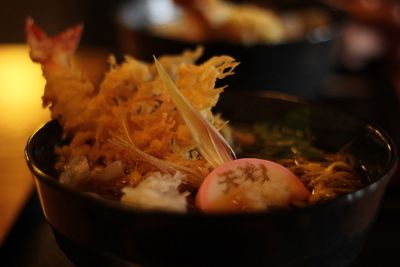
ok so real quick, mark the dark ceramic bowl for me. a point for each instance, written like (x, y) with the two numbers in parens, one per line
(297, 67)
(97, 232)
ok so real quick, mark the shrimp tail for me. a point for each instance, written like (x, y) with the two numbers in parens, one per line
(52, 49)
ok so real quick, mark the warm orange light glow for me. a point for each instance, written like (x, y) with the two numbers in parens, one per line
(21, 112)
(21, 88)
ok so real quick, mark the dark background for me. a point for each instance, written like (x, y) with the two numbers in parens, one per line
(56, 15)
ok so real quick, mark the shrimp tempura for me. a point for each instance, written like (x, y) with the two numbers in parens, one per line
(130, 117)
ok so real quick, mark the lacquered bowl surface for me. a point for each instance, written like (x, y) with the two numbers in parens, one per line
(298, 67)
(93, 231)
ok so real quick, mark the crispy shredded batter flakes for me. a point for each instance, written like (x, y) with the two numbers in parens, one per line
(131, 104)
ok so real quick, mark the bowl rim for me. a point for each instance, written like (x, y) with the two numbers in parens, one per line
(333, 32)
(387, 174)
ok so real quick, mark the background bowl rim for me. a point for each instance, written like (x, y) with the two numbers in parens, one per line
(333, 32)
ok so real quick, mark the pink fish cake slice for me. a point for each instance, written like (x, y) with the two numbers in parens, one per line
(250, 184)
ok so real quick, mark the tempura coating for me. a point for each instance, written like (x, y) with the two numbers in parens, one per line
(129, 117)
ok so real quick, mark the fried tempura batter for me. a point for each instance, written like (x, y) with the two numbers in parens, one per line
(129, 118)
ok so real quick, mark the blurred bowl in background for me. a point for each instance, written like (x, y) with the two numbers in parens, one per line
(296, 66)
